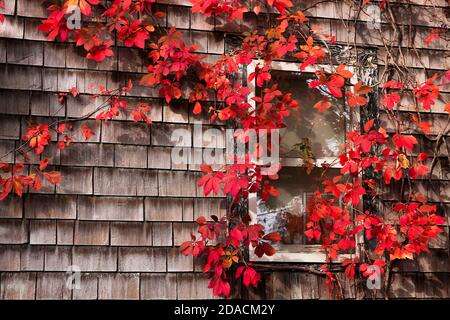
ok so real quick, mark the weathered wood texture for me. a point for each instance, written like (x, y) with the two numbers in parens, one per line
(124, 207)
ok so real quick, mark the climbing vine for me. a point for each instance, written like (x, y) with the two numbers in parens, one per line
(371, 159)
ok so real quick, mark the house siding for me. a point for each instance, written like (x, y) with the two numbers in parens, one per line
(123, 208)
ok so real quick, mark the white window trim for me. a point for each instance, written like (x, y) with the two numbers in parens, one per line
(306, 253)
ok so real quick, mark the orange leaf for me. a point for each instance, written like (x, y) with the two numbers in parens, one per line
(368, 125)
(197, 108)
(322, 105)
(425, 126)
(53, 177)
(340, 70)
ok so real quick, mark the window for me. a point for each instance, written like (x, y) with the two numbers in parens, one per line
(319, 134)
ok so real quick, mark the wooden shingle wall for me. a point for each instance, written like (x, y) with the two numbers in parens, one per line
(123, 207)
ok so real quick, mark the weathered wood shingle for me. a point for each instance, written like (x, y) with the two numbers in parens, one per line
(124, 205)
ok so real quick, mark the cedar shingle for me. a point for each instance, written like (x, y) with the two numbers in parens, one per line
(52, 286)
(130, 60)
(199, 38)
(188, 210)
(6, 148)
(18, 286)
(436, 260)
(32, 258)
(9, 258)
(13, 231)
(12, 27)
(14, 102)
(27, 8)
(88, 154)
(58, 258)
(209, 206)
(110, 208)
(158, 286)
(46, 104)
(177, 183)
(163, 209)
(118, 286)
(50, 206)
(75, 181)
(82, 105)
(177, 262)
(9, 127)
(142, 259)
(403, 285)
(162, 234)
(64, 232)
(94, 79)
(216, 43)
(20, 77)
(91, 233)
(159, 157)
(11, 207)
(433, 286)
(125, 182)
(130, 156)
(42, 232)
(55, 55)
(31, 31)
(178, 16)
(182, 232)
(102, 259)
(91, 124)
(126, 132)
(50, 79)
(76, 58)
(2, 51)
(67, 79)
(131, 234)
(193, 286)
(200, 22)
(25, 52)
(88, 287)
(176, 113)
(109, 64)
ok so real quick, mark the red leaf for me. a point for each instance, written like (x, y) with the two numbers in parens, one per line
(249, 276)
(206, 168)
(87, 132)
(43, 164)
(197, 108)
(264, 249)
(74, 92)
(273, 236)
(322, 105)
(220, 287)
(53, 177)
(405, 141)
(423, 156)
(368, 125)
(425, 126)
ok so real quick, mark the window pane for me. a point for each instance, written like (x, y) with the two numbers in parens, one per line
(286, 213)
(324, 130)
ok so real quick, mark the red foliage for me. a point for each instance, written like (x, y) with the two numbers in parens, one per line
(332, 209)
(228, 253)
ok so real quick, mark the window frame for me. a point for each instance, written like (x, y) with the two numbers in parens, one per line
(304, 253)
